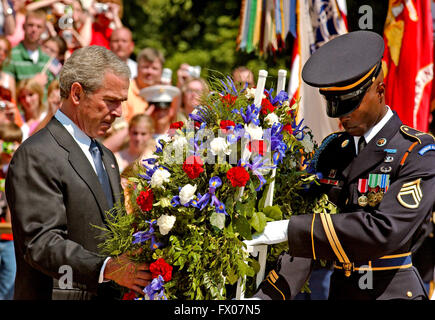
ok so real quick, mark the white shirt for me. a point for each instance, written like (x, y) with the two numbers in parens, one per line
(84, 143)
(132, 65)
(373, 131)
(78, 135)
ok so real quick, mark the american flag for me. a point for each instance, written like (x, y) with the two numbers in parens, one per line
(55, 66)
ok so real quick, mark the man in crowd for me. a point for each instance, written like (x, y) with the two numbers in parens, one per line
(60, 184)
(121, 43)
(27, 58)
(382, 182)
(149, 72)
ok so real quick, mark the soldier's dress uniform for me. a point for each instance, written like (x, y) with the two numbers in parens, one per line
(385, 197)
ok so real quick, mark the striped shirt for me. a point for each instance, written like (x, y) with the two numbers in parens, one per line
(21, 66)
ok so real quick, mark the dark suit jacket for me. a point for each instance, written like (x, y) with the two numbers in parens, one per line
(56, 201)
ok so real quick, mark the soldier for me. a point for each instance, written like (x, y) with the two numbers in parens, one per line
(378, 172)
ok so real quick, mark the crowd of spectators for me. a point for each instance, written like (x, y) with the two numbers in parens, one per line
(36, 37)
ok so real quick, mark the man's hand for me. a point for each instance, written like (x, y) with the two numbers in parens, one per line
(274, 232)
(127, 273)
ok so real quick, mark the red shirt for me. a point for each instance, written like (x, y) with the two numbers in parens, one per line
(100, 35)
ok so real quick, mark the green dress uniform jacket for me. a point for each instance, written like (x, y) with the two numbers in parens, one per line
(385, 199)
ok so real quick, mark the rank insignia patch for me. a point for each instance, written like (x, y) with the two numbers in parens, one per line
(410, 194)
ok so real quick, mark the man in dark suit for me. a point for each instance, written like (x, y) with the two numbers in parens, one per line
(380, 174)
(60, 184)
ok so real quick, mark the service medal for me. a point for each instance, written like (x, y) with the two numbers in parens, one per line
(362, 189)
(363, 201)
(371, 197)
(379, 196)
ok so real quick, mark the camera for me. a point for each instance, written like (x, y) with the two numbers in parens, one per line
(101, 7)
(194, 71)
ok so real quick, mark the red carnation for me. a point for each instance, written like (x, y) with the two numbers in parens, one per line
(193, 166)
(129, 295)
(145, 200)
(229, 99)
(266, 107)
(288, 128)
(176, 125)
(238, 176)
(161, 268)
(226, 123)
(258, 146)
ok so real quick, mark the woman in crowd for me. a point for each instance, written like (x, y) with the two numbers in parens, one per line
(53, 101)
(191, 94)
(140, 141)
(30, 94)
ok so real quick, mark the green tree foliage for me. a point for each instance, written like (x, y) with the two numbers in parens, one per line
(197, 32)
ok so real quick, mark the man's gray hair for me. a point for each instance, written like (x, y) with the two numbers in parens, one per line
(88, 66)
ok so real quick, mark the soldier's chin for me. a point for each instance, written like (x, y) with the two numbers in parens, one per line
(354, 131)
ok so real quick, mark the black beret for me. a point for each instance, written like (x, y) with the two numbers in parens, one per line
(343, 68)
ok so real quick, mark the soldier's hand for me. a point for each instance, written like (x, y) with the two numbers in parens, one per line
(274, 232)
(127, 273)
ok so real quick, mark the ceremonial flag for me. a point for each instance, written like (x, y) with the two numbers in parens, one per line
(317, 22)
(408, 61)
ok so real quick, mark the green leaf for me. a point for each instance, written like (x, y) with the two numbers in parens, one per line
(258, 221)
(218, 220)
(242, 226)
(273, 212)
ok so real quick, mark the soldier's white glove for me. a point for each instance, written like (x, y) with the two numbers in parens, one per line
(274, 232)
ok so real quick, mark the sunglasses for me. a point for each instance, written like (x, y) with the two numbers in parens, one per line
(160, 105)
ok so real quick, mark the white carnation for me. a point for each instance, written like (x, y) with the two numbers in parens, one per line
(219, 145)
(255, 132)
(307, 143)
(250, 93)
(271, 118)
(179, 143)
(187, 193)
(159, 177)
(165, 223)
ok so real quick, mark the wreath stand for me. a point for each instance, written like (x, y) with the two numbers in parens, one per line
(261, 250)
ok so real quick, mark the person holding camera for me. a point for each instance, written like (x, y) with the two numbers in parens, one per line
(106, 19)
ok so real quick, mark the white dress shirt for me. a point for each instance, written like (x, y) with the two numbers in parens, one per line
(373, 131)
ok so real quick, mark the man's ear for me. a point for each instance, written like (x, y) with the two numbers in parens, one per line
(380, 90)
(76, 93)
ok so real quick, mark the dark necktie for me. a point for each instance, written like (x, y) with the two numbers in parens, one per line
(361, 144)
(102, 174)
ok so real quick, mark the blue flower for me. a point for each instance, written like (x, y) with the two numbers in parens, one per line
(229, 87)
(237, 133)
(156, 287)
(210, 197)
(142, 236)
(257, 166)
(250, 115)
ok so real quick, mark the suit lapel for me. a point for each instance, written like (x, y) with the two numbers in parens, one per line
(374, 152)
(79, 162)
(113, 173)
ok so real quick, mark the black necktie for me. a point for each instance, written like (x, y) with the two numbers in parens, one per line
(361, 144)
(102, 174)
